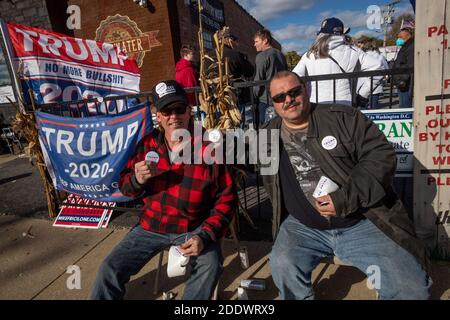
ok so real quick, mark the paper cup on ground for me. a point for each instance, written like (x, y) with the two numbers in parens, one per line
(242, 294)
(243, 254)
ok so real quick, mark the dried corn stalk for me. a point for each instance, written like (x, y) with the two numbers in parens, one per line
(217, 95)
(25, 123)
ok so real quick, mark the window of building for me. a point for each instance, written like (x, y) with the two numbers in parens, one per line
(208, 40)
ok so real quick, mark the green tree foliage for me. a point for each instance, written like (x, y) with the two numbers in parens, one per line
(292, 58)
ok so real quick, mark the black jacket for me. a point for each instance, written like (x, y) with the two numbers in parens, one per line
(405, 59)
(240, 69)
(238, 62)
(363, 164)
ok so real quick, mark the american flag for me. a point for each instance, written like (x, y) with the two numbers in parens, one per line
(406, 24)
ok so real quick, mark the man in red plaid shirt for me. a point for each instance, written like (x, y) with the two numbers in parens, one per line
(188, 205)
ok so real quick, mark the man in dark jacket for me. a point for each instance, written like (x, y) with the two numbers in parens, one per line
(333, 188)
(405, 59)
(268, 62)
(240, 68)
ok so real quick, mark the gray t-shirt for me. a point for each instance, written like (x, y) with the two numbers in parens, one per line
(298, 168)
(306, 168)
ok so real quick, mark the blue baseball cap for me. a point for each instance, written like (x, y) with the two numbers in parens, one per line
(333, 26)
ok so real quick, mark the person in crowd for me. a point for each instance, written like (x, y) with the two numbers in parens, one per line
(332, 53)
(405, 59)
(332, 196)
(376, 88)
(269, 61)
(240, 68)
(186, 205)
(360, 43)
(185, 73)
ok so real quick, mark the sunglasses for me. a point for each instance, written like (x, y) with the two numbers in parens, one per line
(179, 109)
(293, 93)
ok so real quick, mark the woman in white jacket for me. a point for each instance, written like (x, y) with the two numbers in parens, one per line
(331, 53)
(371, 49)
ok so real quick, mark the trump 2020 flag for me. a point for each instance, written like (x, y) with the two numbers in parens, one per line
(60, 68)
(85, 156)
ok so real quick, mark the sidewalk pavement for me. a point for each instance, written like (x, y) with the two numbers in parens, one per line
(4, 158)
(34, 257)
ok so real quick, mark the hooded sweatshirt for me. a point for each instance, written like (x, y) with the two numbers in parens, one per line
(186, 76)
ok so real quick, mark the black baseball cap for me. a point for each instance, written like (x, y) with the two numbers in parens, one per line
(333, 26)
(168, 92)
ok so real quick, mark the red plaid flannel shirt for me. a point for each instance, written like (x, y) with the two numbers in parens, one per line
(182, 196)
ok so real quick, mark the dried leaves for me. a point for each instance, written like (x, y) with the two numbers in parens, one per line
(217, 98)
(24, 124)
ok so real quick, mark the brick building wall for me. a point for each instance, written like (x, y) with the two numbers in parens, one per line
(241, 24)
(30, 12)
(159, 63)
(171, 18)
(57, 10)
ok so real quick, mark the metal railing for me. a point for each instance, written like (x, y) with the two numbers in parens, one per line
(116, 104)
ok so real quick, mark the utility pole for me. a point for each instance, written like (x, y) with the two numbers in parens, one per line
(387, 18)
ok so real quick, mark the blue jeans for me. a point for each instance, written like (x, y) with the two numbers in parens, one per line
(138, 247)
(374, 101)
(405, 98)
(245, 118)
(299, 249)
(262, 107)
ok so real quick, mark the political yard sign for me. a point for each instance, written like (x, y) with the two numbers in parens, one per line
(84, 156)
(71, 216)
(60, 68)
(397, 126)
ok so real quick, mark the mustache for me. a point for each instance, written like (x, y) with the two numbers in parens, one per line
(292, 104)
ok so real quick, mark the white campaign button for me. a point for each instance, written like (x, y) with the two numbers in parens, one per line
(152, 156)
(161, 88)
(214, 135)
(329, 142)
